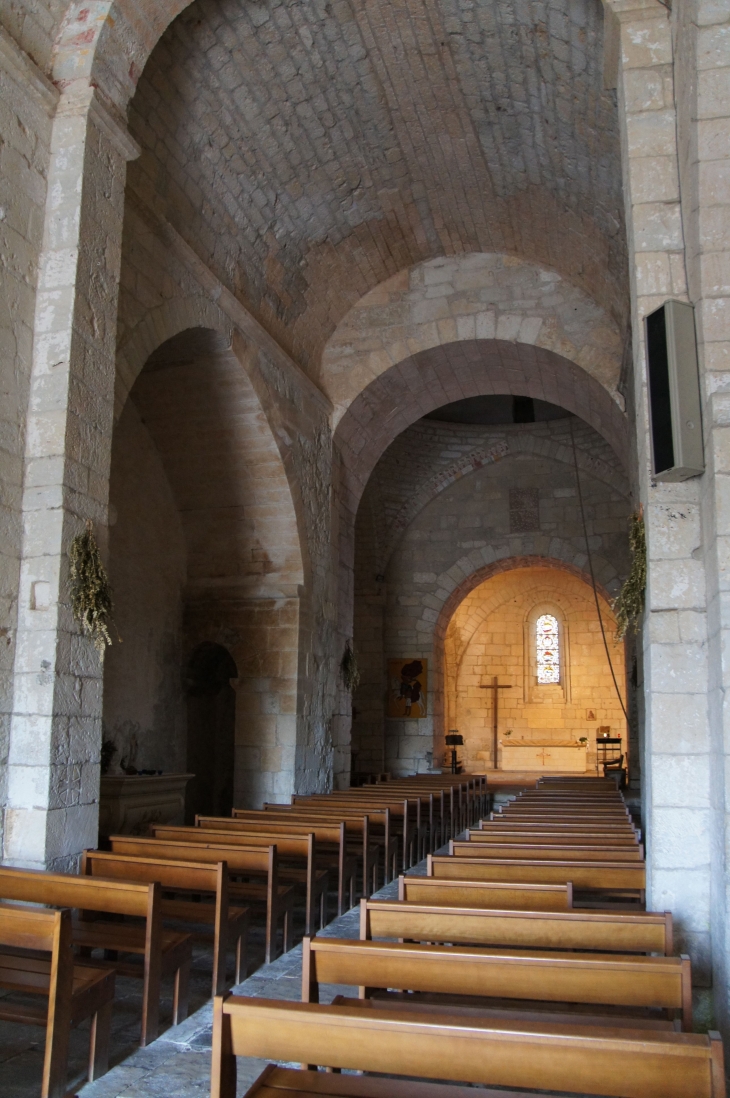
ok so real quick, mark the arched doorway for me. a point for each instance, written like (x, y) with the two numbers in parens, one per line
(211, 711)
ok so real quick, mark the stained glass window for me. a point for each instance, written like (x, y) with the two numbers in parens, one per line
(548, 649)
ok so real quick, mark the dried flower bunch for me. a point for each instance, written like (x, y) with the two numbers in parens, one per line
(91, 593)
(629, 603)
(349, 669)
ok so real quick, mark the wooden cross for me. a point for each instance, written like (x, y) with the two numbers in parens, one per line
(495, 686)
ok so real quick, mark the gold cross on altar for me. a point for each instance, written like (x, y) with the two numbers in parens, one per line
(495, 686)
(542, 755)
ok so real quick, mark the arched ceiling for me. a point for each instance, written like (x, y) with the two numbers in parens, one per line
(309, 150)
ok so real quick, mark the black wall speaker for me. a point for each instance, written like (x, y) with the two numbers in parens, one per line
(674, 392)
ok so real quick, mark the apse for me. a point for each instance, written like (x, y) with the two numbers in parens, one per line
(539, 632)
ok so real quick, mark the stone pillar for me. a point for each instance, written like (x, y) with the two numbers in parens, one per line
(677, 809)
(702, 63)
(55, 732)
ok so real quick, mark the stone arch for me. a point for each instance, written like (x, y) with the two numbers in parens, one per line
(208, 431)
(107, 43)
(429, 379)
(479, 296)
(159, 325)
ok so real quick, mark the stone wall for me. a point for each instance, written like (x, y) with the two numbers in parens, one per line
(27, 102)
(143, 669)
(467, 482)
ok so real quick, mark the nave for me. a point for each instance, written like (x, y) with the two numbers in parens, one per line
(518, 939)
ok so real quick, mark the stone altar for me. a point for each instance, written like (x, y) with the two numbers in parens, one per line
(543, 755)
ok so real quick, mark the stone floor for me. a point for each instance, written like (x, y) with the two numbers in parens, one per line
(177, 1064)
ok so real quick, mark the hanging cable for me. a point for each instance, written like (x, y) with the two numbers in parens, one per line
(590, 566)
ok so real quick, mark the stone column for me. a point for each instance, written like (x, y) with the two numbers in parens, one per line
(677, 811)
(55, 732)
(702, 62)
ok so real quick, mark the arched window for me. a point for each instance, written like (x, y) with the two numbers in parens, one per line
(547, 649)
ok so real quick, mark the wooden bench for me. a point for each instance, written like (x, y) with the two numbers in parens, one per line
(163, 952)
(251, 862)
(557, 810)
(370, 832)
(292, 850)
(559, 852)
(230, 924)
(72, 992)
(617, 1063)
(331, 840)
(404, 814)
(584, 875)
(494, 827)
(547, 837)
(570, 830)
(483, 980)
(605, 931)
(490, 894)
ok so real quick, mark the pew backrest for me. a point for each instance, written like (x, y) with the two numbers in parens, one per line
(47, 932)
(597, 979)
(555, 851)
(605, 931)
(69, 890)
(490, 894)
(582, 874)
(242, 860)
(621, 1064)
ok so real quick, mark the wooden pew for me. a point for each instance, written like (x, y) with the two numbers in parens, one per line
(494, 980)
(559, 852)
(627, 831)
(545, 837)
(72, 992)
(257, 862)
(371, 831)
(404, 813)
(554, 811)
(584, 875)
(492, 894)
(471, 790)
(230, 924)
(331, 838)
(614, 1062)
(518, 827)
(608, 816)
(292, 850)
(163, 952)
(605, 931)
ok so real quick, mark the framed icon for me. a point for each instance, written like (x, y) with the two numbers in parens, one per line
(407, 689)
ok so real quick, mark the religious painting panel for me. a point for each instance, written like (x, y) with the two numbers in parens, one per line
(407, 689)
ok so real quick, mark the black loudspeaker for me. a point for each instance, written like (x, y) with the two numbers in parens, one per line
(674, 392)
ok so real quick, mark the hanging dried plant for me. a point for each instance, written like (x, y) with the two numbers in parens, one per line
(91, 593)
(349, 669)
(628, 605)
